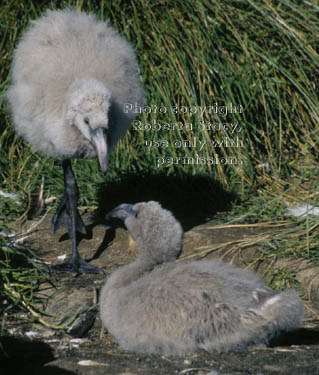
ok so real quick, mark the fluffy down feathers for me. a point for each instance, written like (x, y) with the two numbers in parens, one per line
(179, 308)
(55, 51)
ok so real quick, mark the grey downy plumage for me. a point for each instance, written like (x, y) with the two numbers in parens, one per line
(156, 305)
(71, 77)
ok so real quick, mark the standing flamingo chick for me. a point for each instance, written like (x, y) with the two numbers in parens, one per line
(156, 305)
(71, 78)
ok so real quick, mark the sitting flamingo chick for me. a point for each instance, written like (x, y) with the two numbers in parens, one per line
(156, 305)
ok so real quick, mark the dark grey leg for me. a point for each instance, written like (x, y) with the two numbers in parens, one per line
(67, 215)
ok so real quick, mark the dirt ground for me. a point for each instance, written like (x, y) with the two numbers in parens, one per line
(86, 348)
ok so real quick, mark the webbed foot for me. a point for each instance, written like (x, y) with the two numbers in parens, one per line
(76, 267)
(62, 218)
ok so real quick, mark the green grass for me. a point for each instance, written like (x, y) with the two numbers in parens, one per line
(196, 54)
(258, 54)
(20, 278)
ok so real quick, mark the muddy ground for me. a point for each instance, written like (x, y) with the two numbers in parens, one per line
(28, 347)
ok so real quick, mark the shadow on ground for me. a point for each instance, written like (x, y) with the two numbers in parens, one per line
(303, 336)
(27, 357)
(192, 199)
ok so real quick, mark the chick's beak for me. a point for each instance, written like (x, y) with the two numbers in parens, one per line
(123, 211)
(99, 139)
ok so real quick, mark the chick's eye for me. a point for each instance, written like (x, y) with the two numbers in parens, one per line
(86, 121)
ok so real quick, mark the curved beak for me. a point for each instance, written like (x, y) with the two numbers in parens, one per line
(123, 211)
(99, 139)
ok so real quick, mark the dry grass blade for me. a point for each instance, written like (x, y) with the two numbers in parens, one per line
(28, 307)
(238, 243)
(269, 224)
